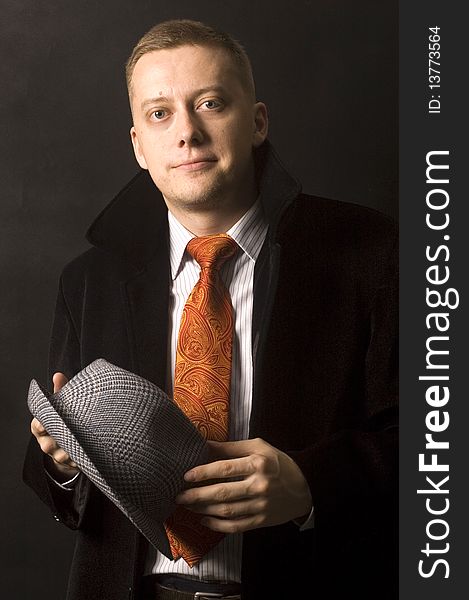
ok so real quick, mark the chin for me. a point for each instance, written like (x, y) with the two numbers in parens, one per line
(195, 203)
(196, 197)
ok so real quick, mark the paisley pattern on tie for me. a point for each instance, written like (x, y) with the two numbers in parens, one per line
(202, 376)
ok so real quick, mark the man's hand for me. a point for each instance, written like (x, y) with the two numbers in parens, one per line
(59, 465)
(270, 489)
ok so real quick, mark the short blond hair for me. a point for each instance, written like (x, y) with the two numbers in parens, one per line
(184, 32)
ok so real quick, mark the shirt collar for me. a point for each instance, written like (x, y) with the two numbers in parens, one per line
(249, 233)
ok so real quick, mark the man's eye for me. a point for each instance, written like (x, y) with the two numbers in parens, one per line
(211, 104)
(158, 114)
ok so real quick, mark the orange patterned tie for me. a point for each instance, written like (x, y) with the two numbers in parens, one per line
(202, 377)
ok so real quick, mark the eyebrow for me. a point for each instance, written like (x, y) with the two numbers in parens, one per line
(199, 92)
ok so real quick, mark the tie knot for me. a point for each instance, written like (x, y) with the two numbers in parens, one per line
(211, 251)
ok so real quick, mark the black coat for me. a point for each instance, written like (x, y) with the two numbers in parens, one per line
(325, 389)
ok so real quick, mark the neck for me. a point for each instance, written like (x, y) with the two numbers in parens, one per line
(211, 223)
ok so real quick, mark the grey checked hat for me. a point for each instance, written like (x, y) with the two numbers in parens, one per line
(127, 437)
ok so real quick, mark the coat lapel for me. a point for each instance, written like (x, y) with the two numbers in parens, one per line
(145, 297)
(277, 191)
(134, 228)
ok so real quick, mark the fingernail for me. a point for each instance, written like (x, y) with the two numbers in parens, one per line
(189, 476)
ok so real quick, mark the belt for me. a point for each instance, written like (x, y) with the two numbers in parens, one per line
(181, 588)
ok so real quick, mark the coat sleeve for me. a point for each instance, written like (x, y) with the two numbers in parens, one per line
(353, 474)
(67, 506)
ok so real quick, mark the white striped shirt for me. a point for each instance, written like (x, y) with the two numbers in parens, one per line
(222, 563)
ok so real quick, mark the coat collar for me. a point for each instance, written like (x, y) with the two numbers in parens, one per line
(134, 222)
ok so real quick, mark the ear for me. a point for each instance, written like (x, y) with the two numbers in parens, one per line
(261, 124)
(137, 148)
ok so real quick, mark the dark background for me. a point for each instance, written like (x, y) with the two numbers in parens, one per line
(327, 70)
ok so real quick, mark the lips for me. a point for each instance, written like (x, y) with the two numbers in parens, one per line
(195, 164)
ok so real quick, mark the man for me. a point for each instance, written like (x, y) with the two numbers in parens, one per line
(303, 493)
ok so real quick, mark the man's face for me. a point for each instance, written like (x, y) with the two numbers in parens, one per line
(195, 126)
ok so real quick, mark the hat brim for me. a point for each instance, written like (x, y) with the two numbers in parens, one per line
(152, 528)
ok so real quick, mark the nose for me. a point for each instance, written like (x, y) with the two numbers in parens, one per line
(189, 130)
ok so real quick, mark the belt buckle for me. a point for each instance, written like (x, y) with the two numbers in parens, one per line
(204, 595)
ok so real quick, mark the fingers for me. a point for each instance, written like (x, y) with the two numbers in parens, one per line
(37, 429)
(49, 446)
(61, 457)
(234, 525)
(58, 455)
(224, 510)
(238, 449)
(221, 469)
(231, 510)
(59, 380)
(253, 485)
(219, 492)
(64, 465)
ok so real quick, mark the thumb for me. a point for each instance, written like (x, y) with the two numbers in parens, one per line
(59, 380)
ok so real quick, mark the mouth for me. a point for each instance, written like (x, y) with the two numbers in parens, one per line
(196, 164)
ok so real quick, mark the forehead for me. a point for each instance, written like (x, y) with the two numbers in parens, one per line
(183, 69)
